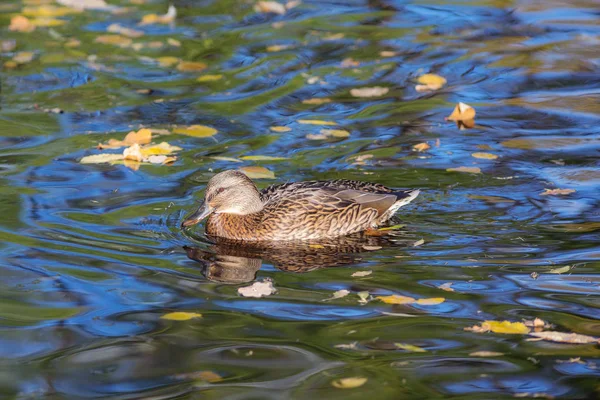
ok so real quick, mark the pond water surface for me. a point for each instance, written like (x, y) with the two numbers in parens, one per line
(92, 254)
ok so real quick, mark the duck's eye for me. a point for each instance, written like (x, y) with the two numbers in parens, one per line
(220, 190)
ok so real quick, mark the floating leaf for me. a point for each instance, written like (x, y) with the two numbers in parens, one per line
(278, 47)
(133, 153)
(280, 129)
(256, 172)
(230, 159)
(257, 289)
(101, 158)
(338, 294)
(430, 82)
(262, 158)
(86, 4)
(462, 112)
(471, 170)
(122, 30)
(115, 40)
(209, 78)
(160, 19)
(446, 286)
(349, 346)
(485, 156)
(560, 270)
(161, 159)
(315, 122)
(270, 7)
(363, 297)
(391, 228)
(23, 57)
(349, 383)
(431, 302)
(19, 23)
(395, 299)
(143, 136)
(484, 353)
(500, 327)
(369, 91)
(338, 133)
(421, 147)
(180, 316)
(163, 148)
(191, 66)
(349, 63)
(410, 347)
(360, 274)
(557, 192)
(562, 337)
(419, 242)
(317, 101)
(196, 131)
(167, 61)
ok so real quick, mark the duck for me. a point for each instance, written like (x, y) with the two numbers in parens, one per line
(308, 210)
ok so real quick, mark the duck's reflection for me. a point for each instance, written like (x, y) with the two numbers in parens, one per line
(235, 262)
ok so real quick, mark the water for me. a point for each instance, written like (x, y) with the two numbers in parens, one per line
(92, 255)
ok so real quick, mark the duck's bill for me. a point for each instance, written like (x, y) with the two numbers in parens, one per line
(202, 212)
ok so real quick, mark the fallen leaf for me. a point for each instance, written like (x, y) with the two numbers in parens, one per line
(115, 40)
(143, 136)
(101, 158)
(133, 153)
(387, 53)
(278, 47)
(317, 101)
(338, 294)
(337, 133)
(349, 346)
(419, 242)
(484, 353)
(431, 302)
(209, 78)
(349, 63)
(191, 66)
(395, 299)
(421, 147)
(256, 172)
(167, 61)
(162, 148)
(557, 192)
(280, 129)
(23, 57)
(315, 122)
(560, 270)
(446, 286)
(86, 4)
(122, 30)
(471, 170)
(270, 7)
(359, 274)
(262, 158)
(159, 159)
(47, 11)
(8, 45)
(375, 91)
(410, 347)
(167, 18)
(430, 82)
(485, 156)
(537, 323)
(562, 337)
(196, 131)
(500, 327)
(19, 23)
(174, 42)
(363, 297)
(257, 289)
(349, 383)
(391, 228)
(462, 112)
(180, 316)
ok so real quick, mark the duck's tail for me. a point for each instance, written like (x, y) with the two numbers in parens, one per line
(403, 198)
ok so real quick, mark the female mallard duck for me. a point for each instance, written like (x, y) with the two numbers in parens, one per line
(294, 211)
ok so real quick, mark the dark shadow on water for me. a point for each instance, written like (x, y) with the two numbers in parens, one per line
(236, 262)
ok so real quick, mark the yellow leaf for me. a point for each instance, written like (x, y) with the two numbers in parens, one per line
(122, 30)
(557, 192)
(181, 316)
(421, 147)
(280, 129)
(338, 133)
(349, 383)
(115, 40)
(208, 376)
(159, 149)
(160, 19)
(101, 158)
(471, 170)
(316, 246)
(315, 122)
(167, 61)
(143, 136)
(209, 78)
(395, 299)
(430, 82)
(560, 270)
(191, 66)
(410, 347)
(19, 23)
(369, 91)
(196, 131)
(262, 158)
(278, 47)
(486, 354)
(486, 156)
(47, 22)
(23, 57)
(462, 112)
(133, 153)
(316, 101)
(270, 7)
(507, 327)
(255, 172)
(431, 302)
(48, 11)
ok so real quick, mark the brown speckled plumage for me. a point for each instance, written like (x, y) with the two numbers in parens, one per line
(295, 211)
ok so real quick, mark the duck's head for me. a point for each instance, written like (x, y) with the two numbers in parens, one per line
(228, 192)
